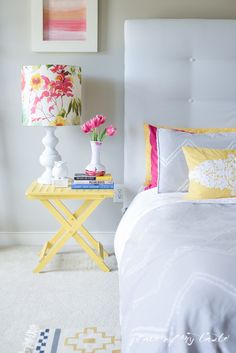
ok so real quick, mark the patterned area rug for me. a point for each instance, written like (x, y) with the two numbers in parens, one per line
(86, 340)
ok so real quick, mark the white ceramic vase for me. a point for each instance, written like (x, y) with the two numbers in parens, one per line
(60, 170)
(95, 167)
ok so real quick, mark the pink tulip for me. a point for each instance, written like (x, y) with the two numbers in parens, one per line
(86, 128)
(101, 118)
(94, 123)
(97, 121)
(110, 130)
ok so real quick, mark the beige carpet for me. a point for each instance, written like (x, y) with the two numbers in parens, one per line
(72, 293)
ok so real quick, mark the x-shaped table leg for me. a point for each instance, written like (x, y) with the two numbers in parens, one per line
(72, 226)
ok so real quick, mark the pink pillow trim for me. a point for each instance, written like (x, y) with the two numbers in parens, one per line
(154, 157)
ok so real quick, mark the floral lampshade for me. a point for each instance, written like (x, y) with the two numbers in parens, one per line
(51, 95)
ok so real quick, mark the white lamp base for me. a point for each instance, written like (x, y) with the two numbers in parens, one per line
(49, 155)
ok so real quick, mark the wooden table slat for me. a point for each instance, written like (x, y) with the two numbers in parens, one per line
(37, 191)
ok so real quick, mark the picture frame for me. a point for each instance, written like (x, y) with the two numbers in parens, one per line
(86, 44)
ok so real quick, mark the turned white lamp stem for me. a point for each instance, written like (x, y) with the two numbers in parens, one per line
(49, 155)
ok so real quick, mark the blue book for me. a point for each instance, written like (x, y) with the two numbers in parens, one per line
(92, 186)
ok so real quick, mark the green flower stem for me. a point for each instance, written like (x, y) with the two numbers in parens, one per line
(98, 135)
(102, 135)
(94, 135)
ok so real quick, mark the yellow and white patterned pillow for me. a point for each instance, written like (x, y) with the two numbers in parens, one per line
(212, 172)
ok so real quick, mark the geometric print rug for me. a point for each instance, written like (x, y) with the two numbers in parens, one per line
(85, 340)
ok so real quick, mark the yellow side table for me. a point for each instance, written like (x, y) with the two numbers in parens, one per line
(71, 223)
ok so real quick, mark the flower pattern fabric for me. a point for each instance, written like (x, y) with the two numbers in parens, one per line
(212, 172)
(220, 174)
(51, 95)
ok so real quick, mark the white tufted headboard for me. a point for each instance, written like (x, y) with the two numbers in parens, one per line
(180, 73)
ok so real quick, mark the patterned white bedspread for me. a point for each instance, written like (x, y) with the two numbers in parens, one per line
(177, 275)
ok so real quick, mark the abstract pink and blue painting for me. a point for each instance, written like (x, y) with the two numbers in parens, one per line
(64, 20)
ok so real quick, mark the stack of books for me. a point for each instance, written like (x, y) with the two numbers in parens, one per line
(84, 181)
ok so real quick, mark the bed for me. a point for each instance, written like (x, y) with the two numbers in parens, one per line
(176, 257)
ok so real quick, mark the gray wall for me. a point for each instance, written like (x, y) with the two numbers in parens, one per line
(103, 73)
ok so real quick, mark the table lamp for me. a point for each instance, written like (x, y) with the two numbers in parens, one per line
(51, 97)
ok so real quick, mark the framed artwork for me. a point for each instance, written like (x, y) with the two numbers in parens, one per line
(64, 25)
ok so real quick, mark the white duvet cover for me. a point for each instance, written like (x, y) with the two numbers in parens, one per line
(177, 275)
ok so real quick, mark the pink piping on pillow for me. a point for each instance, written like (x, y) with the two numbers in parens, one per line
(154, 157)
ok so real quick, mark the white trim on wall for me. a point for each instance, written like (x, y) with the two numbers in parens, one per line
(39, 238)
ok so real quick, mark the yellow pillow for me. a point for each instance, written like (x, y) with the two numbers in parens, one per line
(212, 172)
